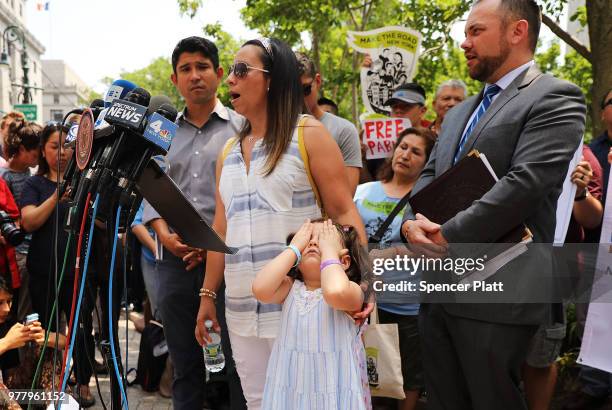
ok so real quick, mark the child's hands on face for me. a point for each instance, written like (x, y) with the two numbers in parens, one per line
(302, 236)
(330, 242)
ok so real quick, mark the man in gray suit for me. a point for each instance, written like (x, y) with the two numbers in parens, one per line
(529, 125)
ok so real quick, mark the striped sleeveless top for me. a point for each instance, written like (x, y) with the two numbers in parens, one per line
(261, 211)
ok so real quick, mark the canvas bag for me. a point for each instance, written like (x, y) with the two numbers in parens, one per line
(383, 361)
(151, 357)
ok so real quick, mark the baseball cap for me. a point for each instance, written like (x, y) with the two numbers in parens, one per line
(405, 96)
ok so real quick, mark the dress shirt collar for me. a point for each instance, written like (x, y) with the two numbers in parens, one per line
(506, 80)
(220, 110)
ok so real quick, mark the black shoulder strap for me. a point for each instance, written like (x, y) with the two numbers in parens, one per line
(377, 237)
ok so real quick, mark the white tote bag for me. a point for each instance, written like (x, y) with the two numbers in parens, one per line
(383, 361)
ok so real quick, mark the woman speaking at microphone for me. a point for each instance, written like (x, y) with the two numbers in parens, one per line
(263, 194)
(43, 217)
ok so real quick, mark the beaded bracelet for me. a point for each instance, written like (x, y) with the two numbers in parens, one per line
(208, 292)
(297, 252)
(329, 262)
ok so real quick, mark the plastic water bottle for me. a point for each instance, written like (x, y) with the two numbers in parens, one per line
(214, 360)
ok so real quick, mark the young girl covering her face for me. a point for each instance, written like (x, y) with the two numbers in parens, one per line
(318, 358)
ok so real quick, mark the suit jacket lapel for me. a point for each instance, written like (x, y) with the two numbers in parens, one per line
(447, 155)
(522, 81)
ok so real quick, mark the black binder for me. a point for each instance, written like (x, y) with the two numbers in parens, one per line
(168, 200)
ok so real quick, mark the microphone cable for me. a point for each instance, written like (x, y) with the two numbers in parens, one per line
(89, 359)
(78, 308)
(46, 342)
(120, 379)
(130, 217)
(58, 283)
(77, 272)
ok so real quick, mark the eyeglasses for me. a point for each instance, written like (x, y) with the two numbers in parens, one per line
(241, 70)
(307, 88)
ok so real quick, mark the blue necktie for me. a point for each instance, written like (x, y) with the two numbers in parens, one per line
(490, 92)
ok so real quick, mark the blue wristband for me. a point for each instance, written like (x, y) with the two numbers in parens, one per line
(298, 254)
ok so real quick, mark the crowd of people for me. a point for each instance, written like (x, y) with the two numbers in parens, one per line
(285, 181)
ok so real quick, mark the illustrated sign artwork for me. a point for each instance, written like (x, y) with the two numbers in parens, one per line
(394, 52)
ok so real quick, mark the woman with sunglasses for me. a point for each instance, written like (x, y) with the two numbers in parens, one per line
(263, 194)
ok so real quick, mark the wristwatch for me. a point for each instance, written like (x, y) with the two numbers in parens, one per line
(583, 196)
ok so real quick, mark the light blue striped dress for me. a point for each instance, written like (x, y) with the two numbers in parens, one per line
(261, 211)
(315, 361)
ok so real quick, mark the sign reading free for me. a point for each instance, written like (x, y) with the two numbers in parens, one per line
(28, 110)
(380, 134)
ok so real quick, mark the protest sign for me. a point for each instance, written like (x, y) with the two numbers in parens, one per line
(380, 134)
(394, 51)
(597, 338)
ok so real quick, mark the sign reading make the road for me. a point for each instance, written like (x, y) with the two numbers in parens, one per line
(29, 110)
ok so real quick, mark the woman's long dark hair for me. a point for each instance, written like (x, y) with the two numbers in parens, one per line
(285, 98)
(43, 165)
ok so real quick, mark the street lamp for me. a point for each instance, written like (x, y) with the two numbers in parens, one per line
(10, 35)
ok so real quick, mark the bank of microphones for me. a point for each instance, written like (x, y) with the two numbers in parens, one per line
(114, 142)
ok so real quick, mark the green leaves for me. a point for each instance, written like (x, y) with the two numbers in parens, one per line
(155, 78)
(189, 7)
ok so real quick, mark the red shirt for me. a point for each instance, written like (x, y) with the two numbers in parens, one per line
(8, 261)
(575, 232)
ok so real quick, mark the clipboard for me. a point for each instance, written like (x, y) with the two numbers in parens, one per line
(165, 196)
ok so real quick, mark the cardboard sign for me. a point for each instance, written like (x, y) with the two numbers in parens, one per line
(597, 338)
(394, 52)
(380, 134)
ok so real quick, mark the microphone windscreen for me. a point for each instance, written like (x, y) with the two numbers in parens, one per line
(168, 111)
(118, 89)
(97, 103)
(139, 96)
(156, 102)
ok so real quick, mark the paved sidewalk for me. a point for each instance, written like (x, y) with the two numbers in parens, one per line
(137, 398)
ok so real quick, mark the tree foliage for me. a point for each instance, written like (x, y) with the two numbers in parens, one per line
(572, 67)
(227, 46)
(319, 27)
(155, 78)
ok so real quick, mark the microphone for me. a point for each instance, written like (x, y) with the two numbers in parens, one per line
(118, 89)
(159, 132)
(128, 115)
(97, 106)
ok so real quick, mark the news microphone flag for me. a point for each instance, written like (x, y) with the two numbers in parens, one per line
(118, 89)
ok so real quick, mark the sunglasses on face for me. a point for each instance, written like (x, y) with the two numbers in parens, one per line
(609, 102)
(307, 88)
(241, 70)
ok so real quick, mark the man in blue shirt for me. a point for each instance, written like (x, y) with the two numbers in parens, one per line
(204, 127)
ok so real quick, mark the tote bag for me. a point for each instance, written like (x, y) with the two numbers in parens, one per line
(383, 361)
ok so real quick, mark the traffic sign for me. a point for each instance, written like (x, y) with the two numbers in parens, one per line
(29, 110)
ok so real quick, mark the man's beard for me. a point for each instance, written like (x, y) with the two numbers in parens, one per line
(488, 65)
